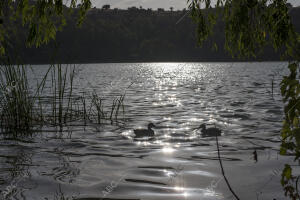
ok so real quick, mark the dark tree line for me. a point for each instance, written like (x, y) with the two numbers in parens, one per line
(133, 35)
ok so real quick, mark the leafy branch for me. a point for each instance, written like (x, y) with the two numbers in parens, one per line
(41, 18)
(249, 26)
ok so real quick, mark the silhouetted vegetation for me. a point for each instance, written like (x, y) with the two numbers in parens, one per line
(39, 19)
(133, 35)
(25, 108)
(249, 27)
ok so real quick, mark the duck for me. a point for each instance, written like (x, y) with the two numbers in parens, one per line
(145, 132)
(209, 132)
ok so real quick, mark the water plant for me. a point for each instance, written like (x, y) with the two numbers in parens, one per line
(17, 100)
(51, 102)
(98, 107)
(98, 110)
(62, 79)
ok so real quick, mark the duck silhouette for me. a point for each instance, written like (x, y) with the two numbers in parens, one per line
(209, 132)
(145, 132)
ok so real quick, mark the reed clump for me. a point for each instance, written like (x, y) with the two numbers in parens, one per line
(51, 101)
(17, 101)
(98, 111)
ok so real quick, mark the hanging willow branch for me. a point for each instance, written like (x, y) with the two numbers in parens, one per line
(223, 172)
(41, 18)
(249, 27)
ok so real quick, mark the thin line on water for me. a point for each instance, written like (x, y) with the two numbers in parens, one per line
(183, 17)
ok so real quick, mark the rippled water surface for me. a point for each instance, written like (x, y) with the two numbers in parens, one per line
(106, 161)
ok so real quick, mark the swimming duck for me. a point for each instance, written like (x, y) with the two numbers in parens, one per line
(145, 132)
(210, 132)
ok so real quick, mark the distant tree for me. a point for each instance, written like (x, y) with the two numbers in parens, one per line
(171, 8)
(160, 9)
(106, 7)
(289, 5)
(133, 8)
(119, 37)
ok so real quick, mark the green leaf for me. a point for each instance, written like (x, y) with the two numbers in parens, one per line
(286, 173)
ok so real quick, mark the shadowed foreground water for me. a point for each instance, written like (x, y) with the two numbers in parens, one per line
(95, 162)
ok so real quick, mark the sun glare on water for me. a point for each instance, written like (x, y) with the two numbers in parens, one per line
(168, 150)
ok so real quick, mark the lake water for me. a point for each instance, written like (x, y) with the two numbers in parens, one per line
(95, 162)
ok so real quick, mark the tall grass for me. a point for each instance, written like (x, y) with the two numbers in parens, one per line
(23, 107)
(115, 109)
(98, 110)
(17, 102)
(101, 114)
(62, 93)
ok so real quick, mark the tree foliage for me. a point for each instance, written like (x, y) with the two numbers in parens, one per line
(131, 36)
(42, 18)
(250, 25)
